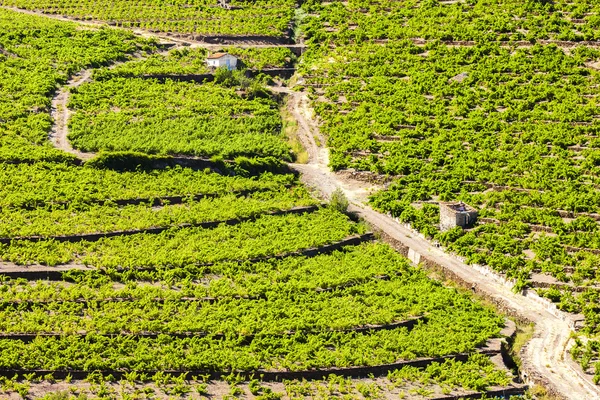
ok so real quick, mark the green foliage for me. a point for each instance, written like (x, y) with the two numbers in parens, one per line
(229, 78)
(263, 58)
(328, 346)
(62, 395)
(584, 353)
(37, 55)
(170, 117)
(85, 218)
(338, 201)
(245, 166)
(177, 62)
(462, 21)
(506, 122)
(46, 184)
(477, 373)
(270, 395)
(261, 17)
(180, 246)
(233, 297)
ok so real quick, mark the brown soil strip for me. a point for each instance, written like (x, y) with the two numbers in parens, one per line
(61, 114)
(543, 281)
(572, 249)
(6, 53)
(503, 393)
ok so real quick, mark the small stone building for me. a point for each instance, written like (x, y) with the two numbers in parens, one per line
(219, 60)
(456, 214)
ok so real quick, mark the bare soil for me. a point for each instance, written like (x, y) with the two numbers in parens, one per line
(356, 388)
(61, 114)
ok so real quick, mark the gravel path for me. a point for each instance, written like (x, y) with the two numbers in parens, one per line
(545, 356)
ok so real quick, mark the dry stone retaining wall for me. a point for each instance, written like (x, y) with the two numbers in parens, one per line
(56, 273)
(527, 371)
(93, 237)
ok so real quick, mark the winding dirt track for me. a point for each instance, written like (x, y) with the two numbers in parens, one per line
(61, 114)
(545, 354)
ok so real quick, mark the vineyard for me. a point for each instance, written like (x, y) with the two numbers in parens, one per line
(171, 117)
(504, 119)
(186, 260)
(29, 77)
(178, 62)
(193, 18)
(164, 104)
(469, 20)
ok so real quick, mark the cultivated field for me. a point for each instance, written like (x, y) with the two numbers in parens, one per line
(493, 103)
(171, 252)
(193, 19)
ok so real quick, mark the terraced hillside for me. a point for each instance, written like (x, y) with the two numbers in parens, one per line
(492, 103)
(195, 19)
(32, 67)
(133, 114)
(135, 275)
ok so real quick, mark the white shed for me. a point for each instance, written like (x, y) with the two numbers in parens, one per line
(218, 60)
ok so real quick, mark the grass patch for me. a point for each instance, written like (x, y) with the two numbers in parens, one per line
(290, 130)
(540, 393)
(524, 333)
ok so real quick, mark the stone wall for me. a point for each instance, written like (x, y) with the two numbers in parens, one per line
(527, 371)
(456, 214)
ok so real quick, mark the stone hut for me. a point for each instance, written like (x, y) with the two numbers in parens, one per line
(456, 214)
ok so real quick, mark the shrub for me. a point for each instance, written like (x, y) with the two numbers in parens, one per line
(339, 201)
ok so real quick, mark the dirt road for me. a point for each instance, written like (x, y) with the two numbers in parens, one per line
(545, 355)
(61, 114)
